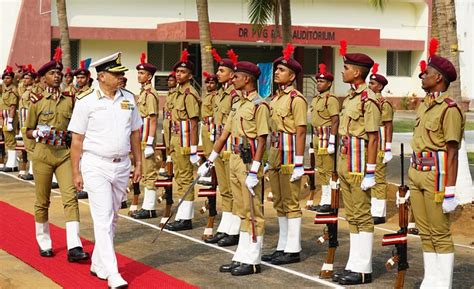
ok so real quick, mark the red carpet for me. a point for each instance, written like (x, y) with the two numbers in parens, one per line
(17, 237)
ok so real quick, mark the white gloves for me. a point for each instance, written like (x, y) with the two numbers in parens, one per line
(266, 168)
(449, 203)
(251, 181)
(148, 152)
(9, 124)
(193, 157)
(400, 200)
(298, 171)
(369, 178)
(203, 169)
(388, 153)
(332, 141)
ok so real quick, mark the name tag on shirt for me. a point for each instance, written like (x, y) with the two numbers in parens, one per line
(126, 104)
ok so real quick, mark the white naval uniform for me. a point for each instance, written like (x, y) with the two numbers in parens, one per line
(105, 165)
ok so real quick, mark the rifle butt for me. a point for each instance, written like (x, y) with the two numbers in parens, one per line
(208, 231)
(327, 268)
(400, 281)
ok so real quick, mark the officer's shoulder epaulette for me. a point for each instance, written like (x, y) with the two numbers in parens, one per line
(68, 94)
(258, 101)
(450, 102)
(84, 94)
(234, 93)
(35, 97)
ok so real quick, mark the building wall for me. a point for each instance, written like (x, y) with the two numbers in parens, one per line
(8, 17)
(465, 26)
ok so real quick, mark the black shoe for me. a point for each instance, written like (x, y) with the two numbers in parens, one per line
(286, 258)
(124, 205)
(144, 214)
(341, 273)
(216, 238)
(269, 257)
(229, 240)
(246, 269)
(379, 220)
(314, 208)
(324, 209)
(54, 185)
(26, 177)
(46, 253)
(413, 231)
(204, 183)
(180, 225)
(10, 170)
(77, 254)
(229, 267)
(82, 195)
(354, 278)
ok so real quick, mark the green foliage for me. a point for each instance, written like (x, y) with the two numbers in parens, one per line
(260, 13)
(378, 4)
(405, 103)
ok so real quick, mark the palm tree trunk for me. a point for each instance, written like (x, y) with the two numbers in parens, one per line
(64, 32)
(204, 37)
(286, 21)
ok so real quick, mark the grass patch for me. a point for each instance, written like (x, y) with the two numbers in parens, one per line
(408, 125)
(470, 158)
(469, 126)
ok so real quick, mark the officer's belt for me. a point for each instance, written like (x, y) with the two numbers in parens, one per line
(423, 161)
(433, 161)
(55, 138)
(344, 145)
(208, 120)
(167, 114)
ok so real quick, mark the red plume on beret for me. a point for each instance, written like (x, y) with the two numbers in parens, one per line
(423, 66)
(9, 69)
(375, 68)
(82, 64)
(288, 51)
(343, 48)
(68, 70)
(142, 58)
(30, 68)
(58, 53)
(322, 68)
(433, 46)
(233, 56)
(184, 55)
(216, 55)
(206, 74)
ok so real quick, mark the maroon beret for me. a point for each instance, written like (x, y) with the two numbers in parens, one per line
(358, 59)
(82, 71)
(49, 66)
(148, 67)
(323, 74)
(186, 64)
(247, 67)
(30, 73)
(226, 62)
(209, 77)
(290, 63)
(172, 74)
(379, 78)
(8, 72)
(444, 66)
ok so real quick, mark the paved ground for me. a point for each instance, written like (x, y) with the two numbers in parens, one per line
(185, 256)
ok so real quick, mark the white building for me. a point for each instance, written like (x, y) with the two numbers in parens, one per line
(396, 38)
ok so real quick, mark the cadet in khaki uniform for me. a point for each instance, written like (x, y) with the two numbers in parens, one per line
(229, 226)
(29, 77)
(147, 103)
(69, 88)
(324, 110)
(358, 130)
(289, 116)
(168, 107)
(47, 121)
(379, 191)
(248, 126)
(184, 140)
(9, 119)
(432, 176)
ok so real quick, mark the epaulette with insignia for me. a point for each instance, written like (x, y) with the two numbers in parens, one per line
(234, 93)
(84, 94)
(187, 91)
(293, 93)
(68, 94)
(34, 98)
(364, 95)
(450, 102)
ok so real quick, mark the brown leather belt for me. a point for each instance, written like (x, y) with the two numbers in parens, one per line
(423, 161)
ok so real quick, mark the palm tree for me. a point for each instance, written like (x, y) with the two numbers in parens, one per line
(262, 11)
(64, 32)
(204, 37)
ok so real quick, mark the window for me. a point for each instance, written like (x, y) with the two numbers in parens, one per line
(398, 63)
(312, 58)
(74, 44)
(163, 55)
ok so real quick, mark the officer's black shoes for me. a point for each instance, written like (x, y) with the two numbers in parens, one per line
(413, 231)
(180, 225)
(54, 185)
(46, 253)
(216, 238)
(379, 220)
(82, 195)
(286, 258)
(269, 257)
(354, 278)
(339, 274)
(26, 177)
(204, 183)
(229, 240)
(144, 214)
(324, 209)
(10, 170)
(124, 205)
(77, 254)
(229, 267)
(246, 269)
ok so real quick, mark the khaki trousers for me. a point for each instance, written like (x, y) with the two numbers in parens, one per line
(183, 168)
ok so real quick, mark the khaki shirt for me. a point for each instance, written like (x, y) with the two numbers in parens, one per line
(21, 87)
(323, 107)
(386, 109)
(25, 98)
(48, 111)
(186, 103)
(170, 100)
(288, 110)
(436, 125)
(207, 107)
(82, 90)
(9, 97)
(250, 118)
(69, 90)
(223, 103)
(147, 101)
(358, 117)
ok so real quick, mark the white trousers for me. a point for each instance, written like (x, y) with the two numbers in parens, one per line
(106, 183)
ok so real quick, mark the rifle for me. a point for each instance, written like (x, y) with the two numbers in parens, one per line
(311, 173)
(399, 239)
(330, 232)
(211, 204)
